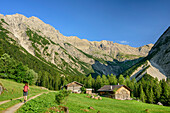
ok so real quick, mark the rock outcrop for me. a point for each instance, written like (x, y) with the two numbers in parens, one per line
(157, 62)
(160, 53)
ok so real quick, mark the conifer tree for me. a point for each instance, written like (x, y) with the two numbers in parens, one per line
(147, 93)
(137, 89)
(157, 90)
(43, 81)
(39, 78)
(112, 79)
(1, 51)
(151, 96)
(104, 80)
(98, 82)
(127, 81)
(165, 98)
(56, 83)
(142, 94)
(93, 83)
(89, 81)
(121, 80)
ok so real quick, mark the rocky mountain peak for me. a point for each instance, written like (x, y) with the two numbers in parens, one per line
(41, 39)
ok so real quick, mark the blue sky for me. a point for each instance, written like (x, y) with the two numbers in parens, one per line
(132, 22)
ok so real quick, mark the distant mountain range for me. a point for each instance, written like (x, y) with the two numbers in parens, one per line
(74, 56)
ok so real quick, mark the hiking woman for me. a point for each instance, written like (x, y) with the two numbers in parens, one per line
(25, 92)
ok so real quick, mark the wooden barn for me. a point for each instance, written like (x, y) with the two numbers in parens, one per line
(75, 87)
(120, 92)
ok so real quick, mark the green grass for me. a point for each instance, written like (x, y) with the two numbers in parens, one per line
(13, 102)
(9, 104)
(78, 102)
(15, 90)
(40, 104)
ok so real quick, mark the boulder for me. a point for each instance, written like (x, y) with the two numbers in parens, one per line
(100, 98)
(92, 96)
(96, 98)
(91, 108)
(159, 103)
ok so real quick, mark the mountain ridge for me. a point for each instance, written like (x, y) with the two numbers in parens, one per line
(47, 43)
(157, 62)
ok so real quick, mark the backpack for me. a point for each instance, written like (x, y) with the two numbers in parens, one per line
(25, 88)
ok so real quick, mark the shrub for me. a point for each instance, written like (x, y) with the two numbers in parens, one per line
(83, 89)
(61, 95)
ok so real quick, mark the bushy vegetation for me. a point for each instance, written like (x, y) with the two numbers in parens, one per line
(79, 103)
(4, 21)
(83, 89)
(12, 69)
(36, 39)
(40, 104)
(61, 95)
(129, 71)
(122, 56)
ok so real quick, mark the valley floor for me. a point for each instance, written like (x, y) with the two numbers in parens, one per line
(77, 103)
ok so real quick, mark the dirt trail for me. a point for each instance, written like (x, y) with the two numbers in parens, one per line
(2, 102)
(17, 106)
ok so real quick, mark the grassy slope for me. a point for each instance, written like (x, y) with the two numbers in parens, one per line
(78, 102)
(14, 90)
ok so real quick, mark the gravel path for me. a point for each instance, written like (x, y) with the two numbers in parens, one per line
(17, 106)
(2, 102)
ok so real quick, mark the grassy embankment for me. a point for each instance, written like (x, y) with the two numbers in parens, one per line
(79, 103)
(15, 90)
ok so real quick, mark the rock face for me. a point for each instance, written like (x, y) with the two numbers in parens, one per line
(71, 53)
(150, 68)
(157, 62)
(160, 53)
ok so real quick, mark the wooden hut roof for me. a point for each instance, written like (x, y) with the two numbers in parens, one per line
(112, 87)
(74, 82)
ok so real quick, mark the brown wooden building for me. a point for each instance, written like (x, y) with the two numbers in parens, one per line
(120, 92)
(75, 87)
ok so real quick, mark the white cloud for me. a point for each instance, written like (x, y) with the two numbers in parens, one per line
(124, 42)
